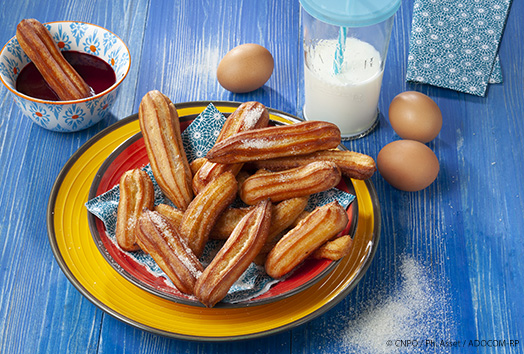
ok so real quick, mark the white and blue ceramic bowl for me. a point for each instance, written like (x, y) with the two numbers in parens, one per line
(69, 116)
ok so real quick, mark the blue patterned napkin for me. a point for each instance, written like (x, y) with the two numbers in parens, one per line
(198, 138)
(454, 43)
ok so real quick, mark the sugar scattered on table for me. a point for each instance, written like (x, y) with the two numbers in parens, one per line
(418, 310)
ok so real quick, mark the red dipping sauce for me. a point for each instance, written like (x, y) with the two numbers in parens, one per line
(96, 72)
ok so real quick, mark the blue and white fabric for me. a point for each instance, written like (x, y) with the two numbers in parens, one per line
(454, 43)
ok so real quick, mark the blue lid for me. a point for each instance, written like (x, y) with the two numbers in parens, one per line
(351, 13)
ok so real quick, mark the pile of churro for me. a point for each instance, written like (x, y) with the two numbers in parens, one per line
(272, 169)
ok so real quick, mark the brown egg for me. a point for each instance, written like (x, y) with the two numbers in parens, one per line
(245, 68)
(408, 165)
(415, 116)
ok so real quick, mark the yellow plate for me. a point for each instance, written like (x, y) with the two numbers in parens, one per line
(86, 268)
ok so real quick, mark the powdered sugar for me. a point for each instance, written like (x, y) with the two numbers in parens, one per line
(131, 222)
(261, 143)
(190, 266)
(251, 117)
(161, 224)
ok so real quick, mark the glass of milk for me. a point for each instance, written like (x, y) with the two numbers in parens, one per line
(345, 48)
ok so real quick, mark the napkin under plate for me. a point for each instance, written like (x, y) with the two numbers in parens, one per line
(198, 138)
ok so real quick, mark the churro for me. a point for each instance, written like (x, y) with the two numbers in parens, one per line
(162, 241)
(321, 225)
(204, 210)
(235, 256)
(249, 115)
(160, 127)
(38, 44)
(352, 164)
(136, 193)
(276, 141)
(334, 249)
(297, 182)
(172, 214)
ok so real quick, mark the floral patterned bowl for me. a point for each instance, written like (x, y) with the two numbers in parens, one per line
(68, 116)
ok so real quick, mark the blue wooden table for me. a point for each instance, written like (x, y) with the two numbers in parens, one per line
(448, 275)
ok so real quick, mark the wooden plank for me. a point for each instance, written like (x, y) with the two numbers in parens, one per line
(192, 37)
(449, 264)
(41, 312)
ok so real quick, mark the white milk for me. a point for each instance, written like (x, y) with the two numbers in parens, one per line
(348, 99)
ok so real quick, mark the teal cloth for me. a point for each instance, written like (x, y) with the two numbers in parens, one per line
(198, 138)
(454, 43)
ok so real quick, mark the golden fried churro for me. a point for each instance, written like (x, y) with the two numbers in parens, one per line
(227, 222)
(161, 240)
(299, 218)
(320, 226)
(235, 255)
(334, 249)
(209, 170)
(242, 176)
(297, 182)
(37, 43)
(204, 210)
(196, 164)
(284, 213)
(249, 115)
(272, 142)
(174, 215)
(352, 164)
(136, 193)
(161, 129)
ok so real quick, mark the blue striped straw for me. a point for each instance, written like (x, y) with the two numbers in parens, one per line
(339, 53)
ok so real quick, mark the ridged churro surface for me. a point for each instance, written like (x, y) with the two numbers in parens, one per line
(136, 193)
(352, 164)
(249, 115)
(161, 240)
(234, 257)
(205, 209)
(334, 249)
(173, 215)
(277, 141)
(160, 127)
(38, 44)
(297, 182)
(319, 226)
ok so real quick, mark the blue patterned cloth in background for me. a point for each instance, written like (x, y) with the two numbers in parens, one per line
(198, 138)
(454, 43)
